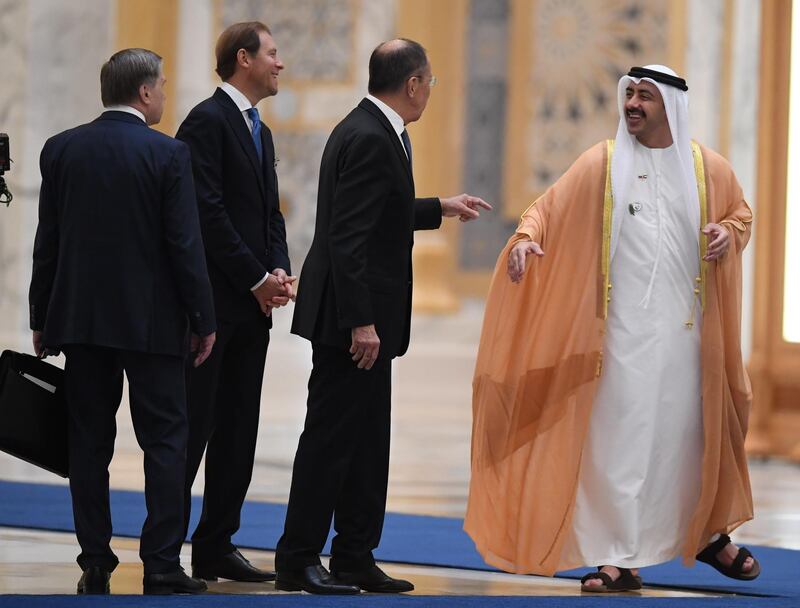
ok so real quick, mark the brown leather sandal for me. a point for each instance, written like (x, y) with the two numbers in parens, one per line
(627, 581)
(709, 556)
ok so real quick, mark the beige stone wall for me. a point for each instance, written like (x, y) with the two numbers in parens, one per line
(51, 53)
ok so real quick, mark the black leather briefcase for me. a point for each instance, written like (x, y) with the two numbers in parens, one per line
(33, 412)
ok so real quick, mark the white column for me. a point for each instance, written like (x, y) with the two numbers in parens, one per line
(744, 136)
(704, 68)
(195, 79)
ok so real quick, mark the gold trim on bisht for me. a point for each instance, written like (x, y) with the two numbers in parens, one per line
(700, 174)
(608, 208)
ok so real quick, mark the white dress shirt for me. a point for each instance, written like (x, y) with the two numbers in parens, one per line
(127, 109)
(241, 102)
(394, 118)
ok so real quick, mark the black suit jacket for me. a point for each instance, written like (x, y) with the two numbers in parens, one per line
(243, 229)
(118, 259)
(358, 271)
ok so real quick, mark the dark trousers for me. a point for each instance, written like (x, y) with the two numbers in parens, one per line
(224, 397)
(341, 468)
(93, 388)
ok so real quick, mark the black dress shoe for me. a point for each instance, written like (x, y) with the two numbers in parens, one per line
(374, 579)
(94, 581)
(313, 579)
(233, 566)
(172, 582)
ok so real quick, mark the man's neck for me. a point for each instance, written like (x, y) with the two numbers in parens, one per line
(135, 109)
(394, 102)
(241, 86)
(656, 140)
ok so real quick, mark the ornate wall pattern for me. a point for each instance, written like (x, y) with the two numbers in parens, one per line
(542, 88)
(567, 58)
(487, 93)
(315, 36)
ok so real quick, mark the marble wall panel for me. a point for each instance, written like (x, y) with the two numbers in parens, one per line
(13, 49)
(743, 151)
(52, 53)
(704, 61)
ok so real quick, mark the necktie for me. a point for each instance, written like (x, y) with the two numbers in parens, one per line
(252, 113)
(406, 144)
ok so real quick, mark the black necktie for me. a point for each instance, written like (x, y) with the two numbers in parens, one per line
(407, 145)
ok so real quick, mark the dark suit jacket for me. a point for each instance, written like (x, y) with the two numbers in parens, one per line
(358, 271)
(243, 229)
(118, 258)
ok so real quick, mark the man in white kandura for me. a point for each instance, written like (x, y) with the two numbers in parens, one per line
(635, 398)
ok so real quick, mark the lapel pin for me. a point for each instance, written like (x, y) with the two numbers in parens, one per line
(634, 207)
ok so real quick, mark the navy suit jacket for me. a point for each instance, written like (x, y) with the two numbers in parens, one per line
(358, 271)
(118, 259)
(237, 196)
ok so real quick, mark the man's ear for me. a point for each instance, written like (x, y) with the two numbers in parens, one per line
(144, 93)
(412, 84)
(242, 58)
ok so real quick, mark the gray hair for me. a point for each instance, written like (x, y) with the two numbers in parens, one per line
(123, 74)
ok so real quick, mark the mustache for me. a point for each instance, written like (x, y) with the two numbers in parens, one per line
(634, 112)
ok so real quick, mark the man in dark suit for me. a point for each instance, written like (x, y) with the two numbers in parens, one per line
(119, 277)
(354, 305)
(245, 238)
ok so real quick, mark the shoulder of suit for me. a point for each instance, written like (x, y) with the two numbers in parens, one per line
(363, 121)
(59, 140)
(157, 138)
(208, 107)
(367, 133)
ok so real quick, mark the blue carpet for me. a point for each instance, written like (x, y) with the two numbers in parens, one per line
(415, 539)
(385, 601)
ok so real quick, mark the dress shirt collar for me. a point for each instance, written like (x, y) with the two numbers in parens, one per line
(237, 96)
(128, 109)
(394, 118)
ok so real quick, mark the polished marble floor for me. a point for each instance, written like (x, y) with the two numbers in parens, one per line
(429, 471)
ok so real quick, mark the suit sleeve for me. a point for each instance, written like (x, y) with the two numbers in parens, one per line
(202, 131)
(278, 251)
(184, 243)
(364, 182)
(45, 247)
(427, 213)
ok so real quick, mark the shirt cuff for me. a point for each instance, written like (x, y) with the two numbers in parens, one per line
(260, 283)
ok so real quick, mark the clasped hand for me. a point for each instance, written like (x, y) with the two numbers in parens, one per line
(275, 292)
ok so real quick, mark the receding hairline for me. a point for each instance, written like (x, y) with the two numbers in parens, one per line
(393, 46)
